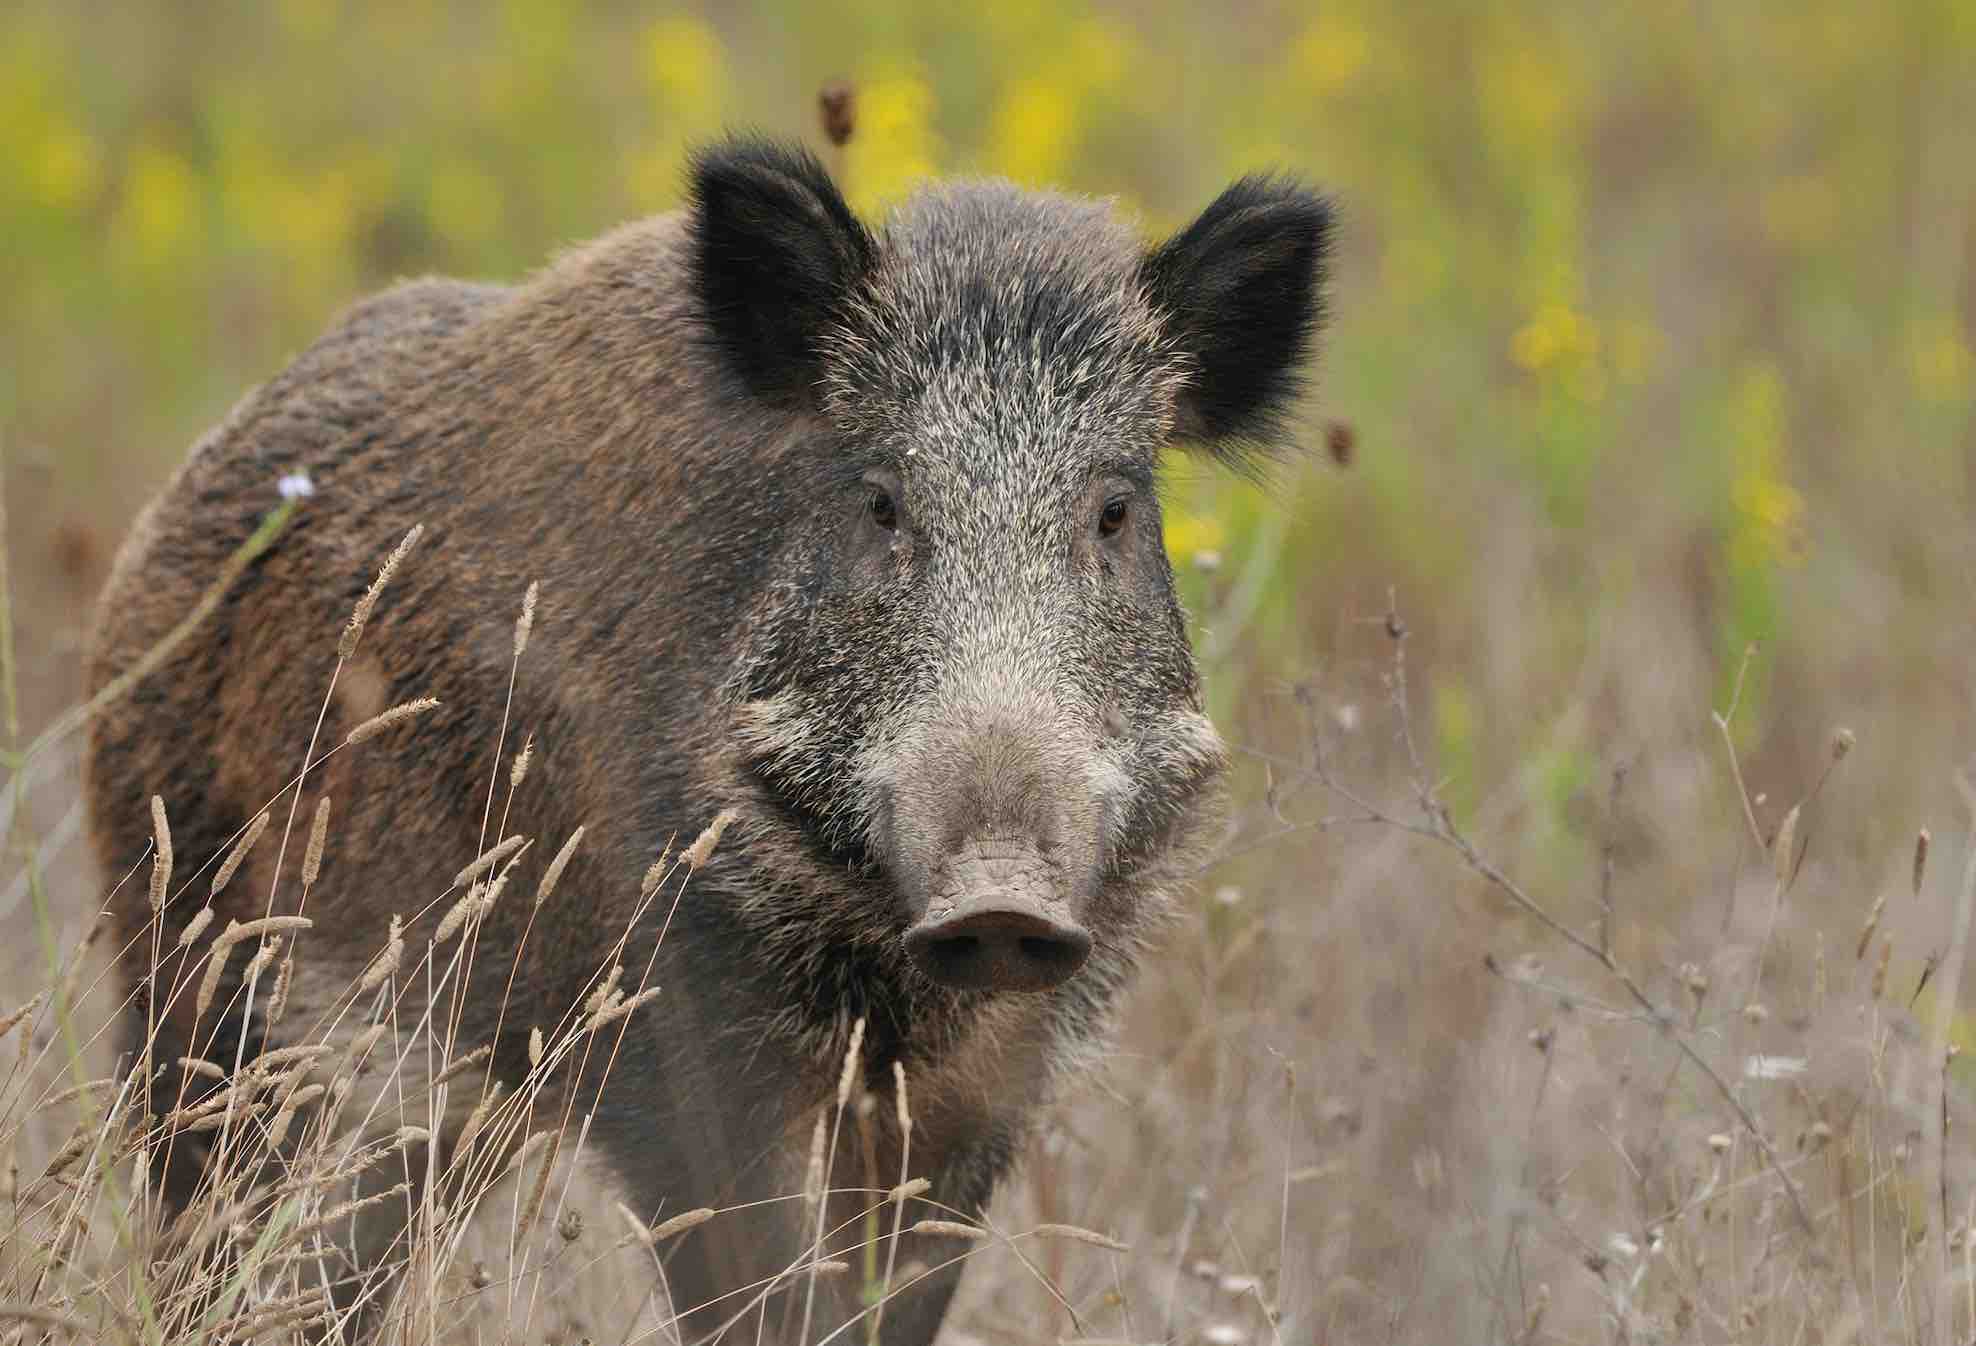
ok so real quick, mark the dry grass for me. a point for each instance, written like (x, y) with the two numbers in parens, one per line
(1379, 1086)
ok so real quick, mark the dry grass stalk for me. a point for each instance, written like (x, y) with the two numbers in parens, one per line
(238, 854)
(852, 1053)
(526, 622)
(299, 1099)
(209, 985)
(161, 858)
(556, 867)
(237, 932)
(487, 860)
(462, 1064)
(75, 1091)
(813, 1172)
(346, 644)
(361, 1047)
(456, 916)
(533, 1209)
(1920, 858)
(318, 835)
(477, 1119)
(703, 845)
(385, 719)
(641, 1233)
(620, 1008)
(386, 962)
(1783, 850)
(1077, 1234)
(195, 927)
(680, 1223)
(902, 1191)
(263, 958)
(10, 1021)
(205, 1069)
(336, 1215)
(519, 771)
(605, 992)
(951, 1229)
(655, 874)
(278, 998)
(1872, 924)
(304, 1053)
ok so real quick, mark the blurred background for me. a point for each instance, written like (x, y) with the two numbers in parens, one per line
(1654, 340)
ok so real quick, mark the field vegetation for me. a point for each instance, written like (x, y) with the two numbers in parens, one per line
(1585, 959)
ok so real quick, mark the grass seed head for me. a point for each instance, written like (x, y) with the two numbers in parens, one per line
(346, 644)
(278, 998)
(1872, 924)
(8, 1022)
(680, 1223)
(813, 1174)
(1078, 1234)
(851, 1055)
(526, 622)
(519, 771)
(238, 854)
(209, 985)
(385, 719)
(195, 927)
(386, 962)
(906, 1191)
(318, 834)
(488, 859)
(556, 868)
(161, 859)
(703, 845)
(1783, 849)
(952, 1229)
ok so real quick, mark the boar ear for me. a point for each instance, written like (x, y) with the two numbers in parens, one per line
(1242, 291)
(775, 254)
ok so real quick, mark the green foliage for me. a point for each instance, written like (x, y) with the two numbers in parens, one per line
(1577, 239)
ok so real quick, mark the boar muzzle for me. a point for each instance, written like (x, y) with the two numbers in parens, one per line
(997, 922)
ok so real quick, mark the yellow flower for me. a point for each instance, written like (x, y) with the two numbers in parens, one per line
(1560, 342)
(1033, 132)
(66, 170)
(1939, 361)
(1188, 535)
(684, 61)
(1331, 53)
(160, 206)
(895, 146)
(1769, 513)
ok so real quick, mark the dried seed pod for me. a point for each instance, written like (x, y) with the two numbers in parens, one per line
(837, 109)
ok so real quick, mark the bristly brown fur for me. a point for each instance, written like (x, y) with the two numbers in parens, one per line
(674, 431)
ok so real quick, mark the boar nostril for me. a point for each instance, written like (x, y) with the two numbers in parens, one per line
(999, 950)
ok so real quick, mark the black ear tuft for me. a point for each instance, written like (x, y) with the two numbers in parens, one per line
(1242, 289)
(776, 253)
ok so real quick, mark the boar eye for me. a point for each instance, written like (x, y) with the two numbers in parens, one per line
(884, 512)
(1112, 517)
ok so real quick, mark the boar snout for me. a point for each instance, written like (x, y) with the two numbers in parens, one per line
(997, 924)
